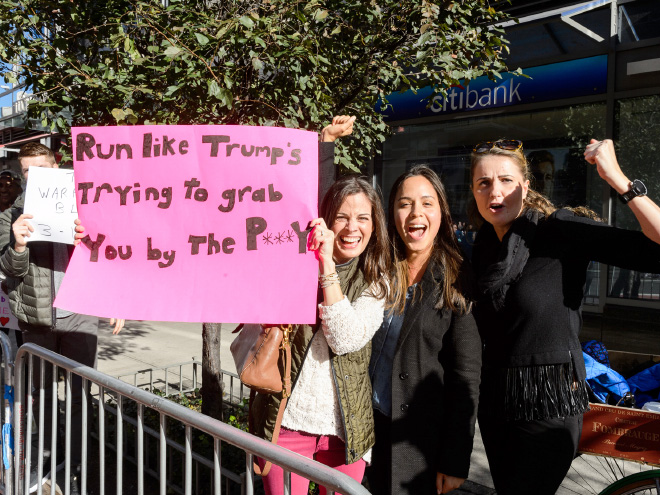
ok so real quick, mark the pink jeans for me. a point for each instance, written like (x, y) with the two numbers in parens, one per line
(326, 449)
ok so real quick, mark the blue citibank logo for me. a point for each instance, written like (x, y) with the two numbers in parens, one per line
(587, 76)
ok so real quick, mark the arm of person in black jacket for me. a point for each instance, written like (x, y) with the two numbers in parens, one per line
(461, 360)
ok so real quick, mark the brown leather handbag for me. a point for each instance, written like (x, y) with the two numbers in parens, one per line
(256, 351)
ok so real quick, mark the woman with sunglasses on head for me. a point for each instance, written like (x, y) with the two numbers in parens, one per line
(426, 358)
(531, 260)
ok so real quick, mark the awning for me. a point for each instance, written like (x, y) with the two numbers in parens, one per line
(30, 138)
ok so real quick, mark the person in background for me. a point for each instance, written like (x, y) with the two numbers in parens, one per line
(33, 276)
(10, 188)
(542, 167)
(426, 357)
(531, 261)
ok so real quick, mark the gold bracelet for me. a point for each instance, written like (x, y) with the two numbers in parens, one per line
(331, 276)
(328, 283)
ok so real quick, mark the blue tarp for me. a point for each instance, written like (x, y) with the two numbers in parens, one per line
(644, 382)
(603, 380)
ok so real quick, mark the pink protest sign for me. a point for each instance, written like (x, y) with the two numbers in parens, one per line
(194, 223)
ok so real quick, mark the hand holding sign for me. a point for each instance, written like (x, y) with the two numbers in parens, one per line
(22, 229)
(221, 211)
(50, 200)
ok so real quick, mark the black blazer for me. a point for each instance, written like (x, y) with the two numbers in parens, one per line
(435, 390)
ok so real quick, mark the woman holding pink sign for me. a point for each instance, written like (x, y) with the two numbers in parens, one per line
(329, 416)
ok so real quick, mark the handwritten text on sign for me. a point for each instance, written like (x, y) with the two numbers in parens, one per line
(50, 197)
(219, 213)
(7, 318)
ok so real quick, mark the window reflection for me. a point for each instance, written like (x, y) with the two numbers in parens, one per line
(636, 119)
(554, 142)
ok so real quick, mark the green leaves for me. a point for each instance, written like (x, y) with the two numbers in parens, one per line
(276, 62)
(172, 51)
(246, 21)
(201, 39)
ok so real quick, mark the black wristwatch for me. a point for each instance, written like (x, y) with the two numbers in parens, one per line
(637, 188)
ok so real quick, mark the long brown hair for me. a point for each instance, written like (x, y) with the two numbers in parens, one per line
(446, 251)
(375, 260)
(534, 200)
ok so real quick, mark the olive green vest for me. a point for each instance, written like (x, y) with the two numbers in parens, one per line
(350, 373)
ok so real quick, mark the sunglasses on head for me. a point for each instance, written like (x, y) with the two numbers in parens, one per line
(504, 144)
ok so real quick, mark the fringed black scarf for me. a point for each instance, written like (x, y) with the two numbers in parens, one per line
(528, 392)
(512, 257)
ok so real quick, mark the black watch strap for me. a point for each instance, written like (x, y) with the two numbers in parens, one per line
(636, 188)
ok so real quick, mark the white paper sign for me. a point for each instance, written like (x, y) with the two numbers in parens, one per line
(7, 318)
(51, 197)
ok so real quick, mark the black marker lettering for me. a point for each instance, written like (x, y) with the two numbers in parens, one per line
(84, 187)
(253, 227)
(104, 156)
(123, 193)
(230, 195)
(215, 141)
(93, 246)
(277, 152)
(302, 237)
(196, 240)
(84, 144)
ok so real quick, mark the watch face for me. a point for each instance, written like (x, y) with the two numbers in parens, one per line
(639, 188)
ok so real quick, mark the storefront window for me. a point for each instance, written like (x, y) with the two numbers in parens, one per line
(639, 21)
(554, 142)
(555, 38)
(638, 125)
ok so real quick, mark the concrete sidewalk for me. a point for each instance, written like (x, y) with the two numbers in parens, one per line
(143, 345)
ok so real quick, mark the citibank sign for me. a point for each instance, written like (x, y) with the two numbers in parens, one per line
(467, 98)
(547, 82)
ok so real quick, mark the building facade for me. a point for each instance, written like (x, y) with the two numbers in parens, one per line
(593, 71)
(14, 100)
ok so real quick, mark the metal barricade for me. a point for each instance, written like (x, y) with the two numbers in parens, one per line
(7, 415)
(332, 479)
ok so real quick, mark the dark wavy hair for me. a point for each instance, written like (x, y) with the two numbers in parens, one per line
(446, 251)
(534, 200)
(375, 260)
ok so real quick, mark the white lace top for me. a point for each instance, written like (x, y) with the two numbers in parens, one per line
(314, 406)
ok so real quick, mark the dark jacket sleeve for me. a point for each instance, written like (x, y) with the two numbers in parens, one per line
(461, 356)
(597, 241)
(12, 264)
(326, 168)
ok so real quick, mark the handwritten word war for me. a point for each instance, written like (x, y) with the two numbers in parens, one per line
(219, 146)
(253, 227)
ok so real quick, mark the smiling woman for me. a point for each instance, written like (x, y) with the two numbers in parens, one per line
(328, 416)
(426, 357)
(352, 227)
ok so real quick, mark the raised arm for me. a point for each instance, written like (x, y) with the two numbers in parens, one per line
(346, 327)
(342, 125)
(601, 154)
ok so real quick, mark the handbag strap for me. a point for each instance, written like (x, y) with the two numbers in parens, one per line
(286, 393)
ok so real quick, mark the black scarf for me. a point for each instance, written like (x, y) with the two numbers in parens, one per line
(512, 255)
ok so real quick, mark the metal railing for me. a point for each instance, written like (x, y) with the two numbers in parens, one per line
(166, 410)
(159, 378)
(7, 415)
